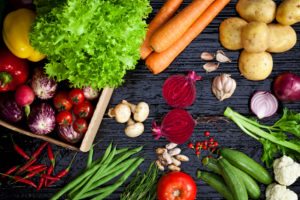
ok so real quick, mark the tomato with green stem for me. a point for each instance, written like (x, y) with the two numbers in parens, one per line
(76, 96)
(80, 125)
(61, 101)
(84, 110)
(176, 186)
(64, 118)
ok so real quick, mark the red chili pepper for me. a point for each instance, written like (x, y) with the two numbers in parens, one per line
(39, 150)
(52, 178)
(12, 170)
(35, 167)
(13, 71)
(41, 183)
(50, 155)
(63, 172)
(25, 181)
(21, 180)
(28, 164)
(32, 174)
(19, 150)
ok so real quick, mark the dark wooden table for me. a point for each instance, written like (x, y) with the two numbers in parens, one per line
(141, 85)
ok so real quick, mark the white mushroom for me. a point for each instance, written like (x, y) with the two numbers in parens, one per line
(134, 129)
(140, 111)
(121, 113)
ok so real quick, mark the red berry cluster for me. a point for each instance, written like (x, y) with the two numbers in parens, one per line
(209, 144)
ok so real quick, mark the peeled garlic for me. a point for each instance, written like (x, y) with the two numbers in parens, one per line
(223, 86)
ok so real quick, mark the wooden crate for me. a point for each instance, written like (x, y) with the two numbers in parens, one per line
(89, 137)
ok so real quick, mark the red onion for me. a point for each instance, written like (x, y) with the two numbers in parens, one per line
(263, 104)
(68, 134)
(180, 91)
(177, 126)
(286, 87)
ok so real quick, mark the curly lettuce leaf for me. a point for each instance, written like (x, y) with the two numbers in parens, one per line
(90, 42)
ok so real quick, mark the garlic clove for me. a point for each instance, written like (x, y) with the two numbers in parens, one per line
(211, 66)
(223, 86)
(159, 165)
(221, 57)
(171, 146)
(207, 56)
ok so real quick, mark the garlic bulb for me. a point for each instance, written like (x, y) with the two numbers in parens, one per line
(223, 86)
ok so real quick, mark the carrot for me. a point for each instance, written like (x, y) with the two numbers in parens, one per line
(157, 62)
(163, 15)
(171, 31)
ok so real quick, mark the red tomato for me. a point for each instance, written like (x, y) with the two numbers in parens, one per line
(64, 118)
(80, 125)
(61, 101)
(76, 96)
(176, 186)
(84, 110)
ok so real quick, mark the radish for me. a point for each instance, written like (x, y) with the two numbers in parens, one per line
(24, 96)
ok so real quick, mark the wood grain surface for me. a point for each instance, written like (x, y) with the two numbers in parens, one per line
(141, 85)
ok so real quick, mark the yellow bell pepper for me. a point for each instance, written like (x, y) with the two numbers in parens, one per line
(16, 27)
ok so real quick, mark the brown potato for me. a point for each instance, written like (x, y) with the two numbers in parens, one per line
(255, 66)
(255, 37)
(281, 38)
(230, 33)
(288, 12)
(257, 10)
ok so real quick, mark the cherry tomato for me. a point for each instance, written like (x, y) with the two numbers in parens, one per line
(76, 96)
(61, 101)
(80, 125)
(64, 118)
(84, 110)
(176, 186)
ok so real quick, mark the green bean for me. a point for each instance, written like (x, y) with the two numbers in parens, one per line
(115, 163)
(90, 158)
(106, 191)
(98, 173)
(114, 173)
(81, 177)
(78, 187)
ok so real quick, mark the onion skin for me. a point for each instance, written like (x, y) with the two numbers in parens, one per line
(41, 119)
(286, 87)
(180, 91)
(177, 126)
(10, 110)
(43, 86)
(263, 104)
(68, 134)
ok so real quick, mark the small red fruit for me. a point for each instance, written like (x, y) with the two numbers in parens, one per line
(198, 144)
(197, 148)
(80, 125)
(76, 96)
(206, 133)
(64, 118)
(204, 147)
(198, 153)
(61, 101)
(215, 144)
(84, 110)
(190, 145)
(211, 140)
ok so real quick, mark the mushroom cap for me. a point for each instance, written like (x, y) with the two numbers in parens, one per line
(134, 130)
(122, 113)
(141, 112)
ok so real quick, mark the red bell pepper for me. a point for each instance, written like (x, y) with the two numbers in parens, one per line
(13, 71)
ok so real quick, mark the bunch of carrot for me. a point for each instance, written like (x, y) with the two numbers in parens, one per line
(169, 35)
(30, 169)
